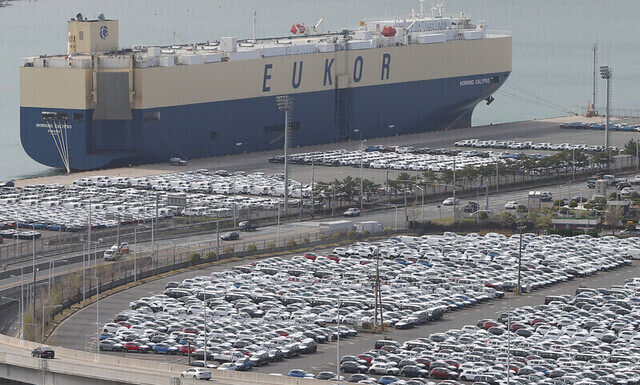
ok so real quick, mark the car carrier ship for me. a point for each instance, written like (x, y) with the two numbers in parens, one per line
(101, 105)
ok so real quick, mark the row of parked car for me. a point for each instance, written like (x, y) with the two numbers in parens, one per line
(601, 126)
(58, 207)
(276, 308)
(206, 182)
(392, 160)
(590, 338)
(515, 145)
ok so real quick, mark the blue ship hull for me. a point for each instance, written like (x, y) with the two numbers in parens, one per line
(249, 125)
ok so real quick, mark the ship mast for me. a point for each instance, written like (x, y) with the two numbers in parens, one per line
(254, 27)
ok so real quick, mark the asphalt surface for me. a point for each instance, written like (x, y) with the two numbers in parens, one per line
(79, 331)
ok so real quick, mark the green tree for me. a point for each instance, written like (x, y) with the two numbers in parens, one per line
(631, 147)
(430, 178)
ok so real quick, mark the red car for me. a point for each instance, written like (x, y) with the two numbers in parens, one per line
(125, 324)
(190, 330)
(365, 357)
(334, 257)
(489, 324)
(311, 256)
(135, 347)
(185, 349)
(443, 374)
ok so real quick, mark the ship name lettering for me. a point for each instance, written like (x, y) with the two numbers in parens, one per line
(483, 81)
(466, 83)
(295, 84)
(357, 69)
(267, 76)
(55, 125)
(386, 60)
(327, 71)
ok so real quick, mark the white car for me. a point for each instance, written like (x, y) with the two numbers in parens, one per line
(196, 374)
(511, 205)
(384, 368)
(470, 374)
(450, 201)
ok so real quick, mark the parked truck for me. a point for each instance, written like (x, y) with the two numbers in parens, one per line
(335, 227)
(372, 227)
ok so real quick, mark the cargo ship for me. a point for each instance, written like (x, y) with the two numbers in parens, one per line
(101, 105)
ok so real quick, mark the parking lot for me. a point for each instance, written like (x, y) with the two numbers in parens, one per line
(418, 276)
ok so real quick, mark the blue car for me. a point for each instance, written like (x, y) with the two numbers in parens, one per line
(388, 380)
(300, 373)
(243, 364)
(164, 349)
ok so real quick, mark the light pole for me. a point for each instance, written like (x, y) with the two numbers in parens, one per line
(285, 103)
(97, 309)
(34, 272)
(47, 307)
(21, 314)
(204, 299)
(135, 253)
(361, 180)
(519, 287)
(338, 340)
(606, 73)
(22, 303)
(333, 194)
(422, 207)
(52, 269)
(455, 215)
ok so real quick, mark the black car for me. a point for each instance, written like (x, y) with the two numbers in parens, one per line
(43, 352)
(230, 236)
(247, 226)
(275, 355)
(352, 367)
(358, 377)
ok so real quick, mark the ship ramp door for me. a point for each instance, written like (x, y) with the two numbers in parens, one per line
(342, 106)
(112, 128)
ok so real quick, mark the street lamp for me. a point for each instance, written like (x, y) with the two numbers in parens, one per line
(21, 314)
(606, 73)
(52, 269)
(422, 208)
(333, 193)
(285, 103)
(519, 286)
(361, 178)
(97, 309)
(46, 307)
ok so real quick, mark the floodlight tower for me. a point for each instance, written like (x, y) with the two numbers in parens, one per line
(285, 103)
(606, 73)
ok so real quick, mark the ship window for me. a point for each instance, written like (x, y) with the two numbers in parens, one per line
(151, 116)
(48, 115)
(214, 135)
(78, 117)
(81, 35)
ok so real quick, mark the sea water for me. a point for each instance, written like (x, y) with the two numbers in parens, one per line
(552, 46)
